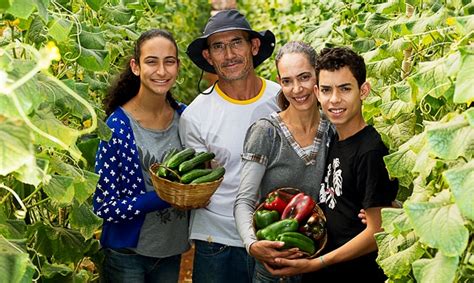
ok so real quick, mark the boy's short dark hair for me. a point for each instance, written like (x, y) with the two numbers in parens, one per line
(332, 59)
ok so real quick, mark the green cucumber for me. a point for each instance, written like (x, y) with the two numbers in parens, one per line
(214, 175)
(162, 170)
(297, 240)
(180, 157)
(195, 161)
(193, 174)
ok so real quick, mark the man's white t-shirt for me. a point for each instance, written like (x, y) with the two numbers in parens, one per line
(218, 123)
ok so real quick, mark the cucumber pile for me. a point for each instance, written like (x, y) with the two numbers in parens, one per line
(188, 167)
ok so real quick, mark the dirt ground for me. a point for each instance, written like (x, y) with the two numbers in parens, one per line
(186, 266)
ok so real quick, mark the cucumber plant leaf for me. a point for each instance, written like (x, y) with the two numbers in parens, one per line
(395, 221)
(60, 189)
(461, 182)
(439, 269)
(16, 148)
(396, 254)
(439, 225)
(464, 92)
(15, 264)
(21, 8)
(451, 139)
(84, 220)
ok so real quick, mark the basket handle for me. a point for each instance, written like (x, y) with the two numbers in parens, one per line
(170, 170)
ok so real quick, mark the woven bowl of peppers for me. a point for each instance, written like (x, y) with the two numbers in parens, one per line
(293, 217)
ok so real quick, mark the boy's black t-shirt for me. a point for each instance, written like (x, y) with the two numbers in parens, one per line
(355, 178)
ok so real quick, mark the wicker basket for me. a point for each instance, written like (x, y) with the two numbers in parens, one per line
(287, 194)
(183, 196)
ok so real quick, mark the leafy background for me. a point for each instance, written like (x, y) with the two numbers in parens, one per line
(420, 59)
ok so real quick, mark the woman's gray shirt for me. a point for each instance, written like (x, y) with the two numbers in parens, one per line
(272, 159)
(164, 232)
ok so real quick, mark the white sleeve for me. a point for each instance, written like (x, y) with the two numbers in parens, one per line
(247, 200)
(189, 132)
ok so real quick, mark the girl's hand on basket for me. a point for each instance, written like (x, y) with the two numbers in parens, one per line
(267, 251)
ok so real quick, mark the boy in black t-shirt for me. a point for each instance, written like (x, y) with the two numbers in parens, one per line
(355, 178)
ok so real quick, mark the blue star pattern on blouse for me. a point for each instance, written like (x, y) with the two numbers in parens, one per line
(120, 194)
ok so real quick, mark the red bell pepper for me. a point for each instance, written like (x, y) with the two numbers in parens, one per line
(275, 202)
(300, 208)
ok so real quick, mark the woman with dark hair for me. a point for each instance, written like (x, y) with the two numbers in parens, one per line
(142, 236)
(286, 149)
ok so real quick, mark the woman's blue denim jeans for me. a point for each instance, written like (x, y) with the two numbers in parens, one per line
(131, 267)
(263, 276)
(217, 263)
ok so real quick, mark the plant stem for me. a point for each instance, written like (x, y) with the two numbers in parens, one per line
(38, 203)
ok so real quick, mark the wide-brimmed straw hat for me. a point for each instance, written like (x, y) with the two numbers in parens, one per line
(225, 21)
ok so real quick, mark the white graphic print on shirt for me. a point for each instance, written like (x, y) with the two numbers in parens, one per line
(331, 189)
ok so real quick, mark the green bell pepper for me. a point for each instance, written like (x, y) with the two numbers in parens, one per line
(273, 230)
(264, 217)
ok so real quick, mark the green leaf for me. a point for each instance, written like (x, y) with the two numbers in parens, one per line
(27, 94)
(84, 186)
(103, 131)
(423, 23)
(5, 4)
(396, 254)
(384, 67)
(461, 182)
(390, 7)
(451, 139)
(453, 64)
(59, 29)
(431, 78)
(66, 245)
(83, 219)
(29, 174)
(93, 39)
(322, 30)
(42, 6)
(88, 149)
(60, 189)
(464, 92)
(15, 264)
(397, 47)
(393, 108)
(424, 163)
(469, 114)
(21, 8)
(439, 225)
(363, 45)
(421, 191)
(45, 120)
(395, 221)
(16, 148)
(67, 102)
(52, 270)
(9, 228)
(397, 131)
(400, 163)
(440, 269)
(465, 24)
(379, 25)
(118, 14)
(94, 60)
(96, 5)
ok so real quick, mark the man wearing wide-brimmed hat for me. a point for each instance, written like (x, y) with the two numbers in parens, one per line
(217, 121)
